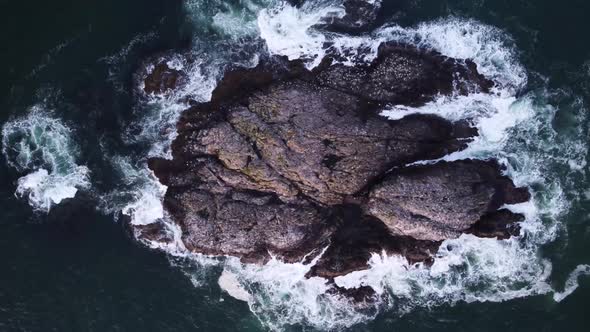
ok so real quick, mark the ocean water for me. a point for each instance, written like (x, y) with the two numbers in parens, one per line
(77, 130)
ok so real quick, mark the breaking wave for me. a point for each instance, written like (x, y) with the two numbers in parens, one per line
(289, 31)
(156, 115)
(139, 194)
(42, 146)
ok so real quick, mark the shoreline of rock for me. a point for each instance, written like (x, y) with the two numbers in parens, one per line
(289, 160)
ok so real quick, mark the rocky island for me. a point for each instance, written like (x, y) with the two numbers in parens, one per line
(287, 161)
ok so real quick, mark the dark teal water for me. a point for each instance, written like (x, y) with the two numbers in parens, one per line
(77, 269)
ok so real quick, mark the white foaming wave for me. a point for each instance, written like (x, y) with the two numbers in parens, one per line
(228, 281)
(140, 197)
(489, 47)
(494, 116)
(43, 146)
(159, 115)
(228, 19)
(289, 31)
(292, 32)
(239, 22)
(140, 194)
(280, 295)
(44, 190)
(466, 269)
(532, 159)
(146, 207)
(297, 33)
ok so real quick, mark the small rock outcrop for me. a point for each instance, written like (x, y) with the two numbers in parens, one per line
(161, 79)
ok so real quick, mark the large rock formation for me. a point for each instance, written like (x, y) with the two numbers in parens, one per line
(288, 161)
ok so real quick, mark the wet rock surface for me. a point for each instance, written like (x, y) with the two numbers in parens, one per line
(358, 236)
(402, 74)
(288, 161)
(441, 201)
(161, 79)
(153, 233)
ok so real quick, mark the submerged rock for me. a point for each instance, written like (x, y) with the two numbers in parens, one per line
(161, 79)
(288, 161)
(153, 233)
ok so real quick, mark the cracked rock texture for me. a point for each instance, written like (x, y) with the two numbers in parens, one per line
(288, 161)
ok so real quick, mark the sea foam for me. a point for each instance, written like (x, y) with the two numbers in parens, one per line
(42, 146)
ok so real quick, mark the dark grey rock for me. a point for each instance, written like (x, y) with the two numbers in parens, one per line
(161, 79)
(441, 201)
(403, 74)
(287, 161)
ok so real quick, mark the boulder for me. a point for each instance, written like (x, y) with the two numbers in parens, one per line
(443, 200)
